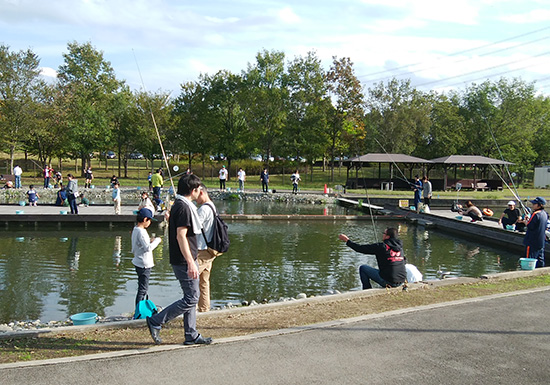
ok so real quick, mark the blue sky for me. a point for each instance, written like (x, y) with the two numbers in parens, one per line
(439, 45)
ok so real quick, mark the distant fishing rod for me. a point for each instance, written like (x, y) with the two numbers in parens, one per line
(155, 124)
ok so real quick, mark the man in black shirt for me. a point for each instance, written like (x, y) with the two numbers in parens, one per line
(513, 217)
(390, 258)
(183, 229)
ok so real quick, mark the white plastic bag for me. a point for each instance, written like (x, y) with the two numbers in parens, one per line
(413, 274)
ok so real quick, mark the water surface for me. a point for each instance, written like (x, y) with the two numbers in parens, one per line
(49, 273)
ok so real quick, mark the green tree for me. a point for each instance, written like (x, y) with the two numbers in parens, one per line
(46, 137)
(191, 131)
(89, 84)
(541, 139)
(150, 109)
(19, 79)
(308, 108)
(346, 128)
(446, 135)
(265, 100)
(398, 116)
(501, 120)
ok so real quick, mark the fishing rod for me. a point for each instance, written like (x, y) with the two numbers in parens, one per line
(155, 125)
(514, 192)
(516, 196)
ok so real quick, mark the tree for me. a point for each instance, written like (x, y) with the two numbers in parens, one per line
(18, 86)
(149, 106)
(308, 108)
(89, 84)
(123, 119)
(346, 128)
(446, 135)
(541, 139)
(46, 135)
(191, 130)
(501, 121)
(265, 99)
(398, 116)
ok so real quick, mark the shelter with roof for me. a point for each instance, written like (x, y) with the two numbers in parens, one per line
(478, 163)
(400, 164)
(396, 179)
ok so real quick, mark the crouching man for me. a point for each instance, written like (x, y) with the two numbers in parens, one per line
(390, 258)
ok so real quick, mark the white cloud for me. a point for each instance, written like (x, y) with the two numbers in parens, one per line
(288, 16)
(534, 16)
(414, 13)
(48, 72)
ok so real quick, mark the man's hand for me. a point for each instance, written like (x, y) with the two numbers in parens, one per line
(343, 237)
(192, 271)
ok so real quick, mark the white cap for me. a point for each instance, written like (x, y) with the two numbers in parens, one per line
(511, 203)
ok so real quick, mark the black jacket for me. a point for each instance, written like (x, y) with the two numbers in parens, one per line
(390, 257)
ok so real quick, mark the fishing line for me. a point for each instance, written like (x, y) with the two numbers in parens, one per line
(404, 179)
(155, 124)
(375, 229)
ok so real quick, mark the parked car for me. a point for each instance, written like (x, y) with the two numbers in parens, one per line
(110, 155)
(135, 155)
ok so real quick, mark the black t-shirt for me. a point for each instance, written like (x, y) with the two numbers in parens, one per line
(513, 215)
(180, 216)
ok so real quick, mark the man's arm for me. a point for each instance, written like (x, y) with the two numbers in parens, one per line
(181, 236)
(364, 249)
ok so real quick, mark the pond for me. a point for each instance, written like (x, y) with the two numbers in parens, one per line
(49, 273)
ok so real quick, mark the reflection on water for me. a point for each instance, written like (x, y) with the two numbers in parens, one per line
(51, 273)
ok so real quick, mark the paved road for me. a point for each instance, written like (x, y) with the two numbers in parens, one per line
(491, 340)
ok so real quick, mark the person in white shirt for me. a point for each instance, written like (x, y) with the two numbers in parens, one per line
(223, 178)
(295, 178)
(116, 198)
(241, 175)
(146, 202)
(17, 172)
(205, 256)
(142, 248)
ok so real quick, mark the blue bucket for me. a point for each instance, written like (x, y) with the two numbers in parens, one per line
(22, 203)
(84, 318)
(528, 263)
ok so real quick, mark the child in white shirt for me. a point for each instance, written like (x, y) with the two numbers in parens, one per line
(142, 248)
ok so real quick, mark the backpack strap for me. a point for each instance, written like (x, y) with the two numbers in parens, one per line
(215, 213)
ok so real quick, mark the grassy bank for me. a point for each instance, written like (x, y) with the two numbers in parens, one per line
(223, 324)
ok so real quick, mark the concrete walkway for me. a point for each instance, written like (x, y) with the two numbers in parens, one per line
(500, 339)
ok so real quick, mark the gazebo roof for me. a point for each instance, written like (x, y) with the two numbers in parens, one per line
(469, 159)
(387, 158)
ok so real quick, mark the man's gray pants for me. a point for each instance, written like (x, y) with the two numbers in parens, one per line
(186, 305)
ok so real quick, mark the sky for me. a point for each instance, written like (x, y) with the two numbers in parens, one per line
(438, 45)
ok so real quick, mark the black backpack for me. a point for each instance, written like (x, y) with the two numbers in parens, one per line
(220, 238)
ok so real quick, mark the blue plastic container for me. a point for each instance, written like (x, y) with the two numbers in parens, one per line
(22, 203)
(19, 212)
(528, 263)
(84, 318)
(459, 217)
